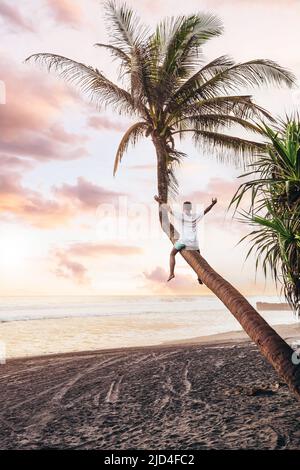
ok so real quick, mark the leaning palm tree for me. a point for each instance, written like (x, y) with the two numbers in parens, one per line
(167, 87)
(274, 210)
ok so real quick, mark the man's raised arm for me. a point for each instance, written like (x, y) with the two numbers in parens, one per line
(213, 202)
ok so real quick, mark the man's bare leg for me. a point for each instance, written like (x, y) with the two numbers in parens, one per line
(172, 264)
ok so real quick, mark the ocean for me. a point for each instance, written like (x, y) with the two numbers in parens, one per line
(46, 307)
(44, 325)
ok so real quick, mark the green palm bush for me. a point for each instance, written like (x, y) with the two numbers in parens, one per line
(274, 210)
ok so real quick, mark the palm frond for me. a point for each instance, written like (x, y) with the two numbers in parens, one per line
(178, 47)
(174, 160)
(124, 27)
(131, 136)
(207, 72)
(227, 148)
(117, 53)
(217, 122)
(240, 106)
(129, 35)
(185, 35)
(91, 81)
(226, 76)
(253, 73)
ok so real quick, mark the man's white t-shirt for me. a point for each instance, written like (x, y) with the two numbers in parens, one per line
(188, 228)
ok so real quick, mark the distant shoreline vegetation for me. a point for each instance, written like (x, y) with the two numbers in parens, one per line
(273, 306)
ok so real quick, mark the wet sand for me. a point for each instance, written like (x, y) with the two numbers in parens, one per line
(185, 396)
(291, 333)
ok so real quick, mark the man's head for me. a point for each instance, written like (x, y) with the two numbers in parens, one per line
(187, 207)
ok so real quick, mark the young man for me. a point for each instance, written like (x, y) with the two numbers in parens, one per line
(188, 230)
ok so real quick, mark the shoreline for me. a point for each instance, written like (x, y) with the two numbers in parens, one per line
(289, 332)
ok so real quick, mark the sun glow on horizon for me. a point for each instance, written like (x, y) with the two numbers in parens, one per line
(18, 246)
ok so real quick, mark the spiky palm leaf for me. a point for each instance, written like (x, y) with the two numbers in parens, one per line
(275, 207)
(276, 244)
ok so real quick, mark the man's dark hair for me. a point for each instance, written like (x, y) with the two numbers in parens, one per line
(187, 202)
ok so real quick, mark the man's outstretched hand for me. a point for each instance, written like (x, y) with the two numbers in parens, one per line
(213, 202)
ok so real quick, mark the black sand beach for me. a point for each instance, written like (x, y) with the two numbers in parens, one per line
(165, 397)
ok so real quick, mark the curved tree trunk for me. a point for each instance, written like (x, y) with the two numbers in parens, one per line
(277, 352)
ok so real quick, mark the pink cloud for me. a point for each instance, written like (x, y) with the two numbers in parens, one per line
(8, 162)
(156, 6)
(66, 11)
(220, 188)
(58, 133)
(224, 191)
(74, 270)
(68, 201)
(181, 284)
(93, 249)
(106, 124)
(31, 123)
(158, 274)
(14, 17)
(31, 206)
(43, 148)
(69, 269)
(88, 194)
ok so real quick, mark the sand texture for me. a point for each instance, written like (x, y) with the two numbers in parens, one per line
(164, 397)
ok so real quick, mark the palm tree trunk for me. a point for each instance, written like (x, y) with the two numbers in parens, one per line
(161, 152)
(162, 183)
(277, 352)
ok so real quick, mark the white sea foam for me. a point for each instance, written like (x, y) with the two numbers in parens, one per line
(37, 308)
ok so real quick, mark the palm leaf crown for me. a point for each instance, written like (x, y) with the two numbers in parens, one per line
(165, 84)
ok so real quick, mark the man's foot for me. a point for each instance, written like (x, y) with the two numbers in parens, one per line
(199, 280)
(171, 277)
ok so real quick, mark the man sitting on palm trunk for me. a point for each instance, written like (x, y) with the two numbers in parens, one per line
(188, 230)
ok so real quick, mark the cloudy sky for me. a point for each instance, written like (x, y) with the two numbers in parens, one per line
(67, 226)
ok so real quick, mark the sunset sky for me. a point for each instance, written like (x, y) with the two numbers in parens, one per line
(57, 153)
